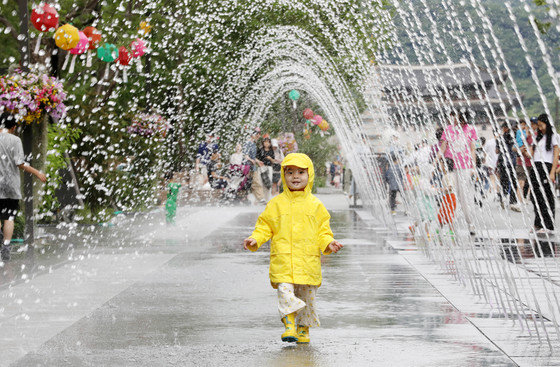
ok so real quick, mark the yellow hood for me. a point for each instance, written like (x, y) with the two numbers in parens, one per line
(299, 160)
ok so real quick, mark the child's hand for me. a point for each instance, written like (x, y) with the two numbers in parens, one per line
(334, 246)
(250, 242)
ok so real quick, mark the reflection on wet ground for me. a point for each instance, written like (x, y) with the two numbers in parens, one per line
(211, 304)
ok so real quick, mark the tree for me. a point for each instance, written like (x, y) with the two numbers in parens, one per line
(191, 75)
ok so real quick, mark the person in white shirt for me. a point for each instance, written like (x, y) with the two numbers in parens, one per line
(545, 156)
(237, 157)
(12, 161)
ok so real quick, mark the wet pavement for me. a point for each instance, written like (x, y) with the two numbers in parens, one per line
(146, 294)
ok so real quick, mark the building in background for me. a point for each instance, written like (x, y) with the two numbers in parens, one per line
(424, 94)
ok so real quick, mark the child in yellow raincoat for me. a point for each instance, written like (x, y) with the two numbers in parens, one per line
(298, 224)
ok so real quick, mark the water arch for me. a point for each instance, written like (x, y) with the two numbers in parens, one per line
(297, 61)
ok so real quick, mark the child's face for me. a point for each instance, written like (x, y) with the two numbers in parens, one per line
(296, 178)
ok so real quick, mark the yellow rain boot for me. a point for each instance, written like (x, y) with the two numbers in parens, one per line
(290, 335)
(303, 334)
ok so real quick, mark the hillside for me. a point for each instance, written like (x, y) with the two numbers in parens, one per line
(504, 30)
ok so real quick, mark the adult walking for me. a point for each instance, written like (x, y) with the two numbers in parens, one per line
(458, 143)
(491, 163)
(394, 179)
(265, 156)
(12, 161)
(524, 140)
(276, 168)
(250, 152)
(506, 168)
(545, 158)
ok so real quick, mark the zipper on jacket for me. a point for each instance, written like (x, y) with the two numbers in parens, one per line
(292, 238)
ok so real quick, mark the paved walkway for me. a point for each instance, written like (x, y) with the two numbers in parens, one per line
(145, 294)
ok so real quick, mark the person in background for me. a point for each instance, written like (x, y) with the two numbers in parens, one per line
(276, 174)
(523, 140)
(506, 168)
(458, 143)
(543, 175)
(237, 157)
(447, 200)
(216, 180)
(238, 175)
(337, 179)
(482, 180)
(250, 156)
(12, 160)
(203, 154)
(394, 180)
(491, 162)
(265, 154)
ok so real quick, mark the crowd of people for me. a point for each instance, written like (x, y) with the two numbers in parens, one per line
(253, 168)
(518, 165)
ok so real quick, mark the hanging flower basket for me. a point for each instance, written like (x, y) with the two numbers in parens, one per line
(29, 96)
(148, 125)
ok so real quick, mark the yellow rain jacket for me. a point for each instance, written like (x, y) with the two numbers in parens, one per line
(298, 224)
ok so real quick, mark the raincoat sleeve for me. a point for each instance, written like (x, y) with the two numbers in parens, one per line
(263, 230)
(325, 232)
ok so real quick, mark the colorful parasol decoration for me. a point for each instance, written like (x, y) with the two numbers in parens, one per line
(124, 60)
(108, 53)
(138, 48)
(294, 96)
(80, 48)
(317, 119)
(94, 38)
(67, 37)
(144, 28)
(44, 18)
(308, 113)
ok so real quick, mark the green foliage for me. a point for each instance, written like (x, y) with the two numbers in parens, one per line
(19, 226)
(543, 26)
(60, 140)
(196, 46)
(320, 147)
(320, 181)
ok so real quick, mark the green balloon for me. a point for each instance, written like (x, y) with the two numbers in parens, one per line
(294, 95)
(108, 52)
